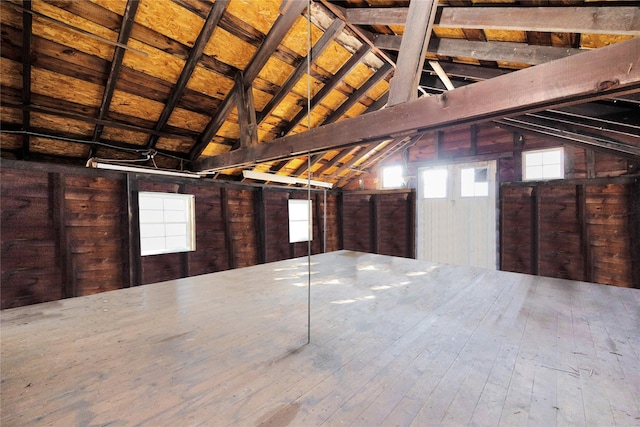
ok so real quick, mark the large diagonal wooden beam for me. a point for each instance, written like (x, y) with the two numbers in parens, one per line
(328, 36)
(623, 20)
(330, 85)
(290, 12)
(210, 24)
(114, 70)
(27, 33)
(413, 46)
(595, 74)
(246, 113)
(486, 51)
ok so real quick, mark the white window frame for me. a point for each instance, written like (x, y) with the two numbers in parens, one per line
(298, 222)
(397, 180)
(477, 188)
(526, 166)
(427, 192)
(167, 223)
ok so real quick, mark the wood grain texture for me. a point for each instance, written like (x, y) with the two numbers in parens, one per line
(394, 342)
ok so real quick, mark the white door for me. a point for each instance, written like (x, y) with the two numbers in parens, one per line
(457, 214)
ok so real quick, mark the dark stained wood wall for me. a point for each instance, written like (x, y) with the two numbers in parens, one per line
(580, 229)
(65, 230)
(380, 222)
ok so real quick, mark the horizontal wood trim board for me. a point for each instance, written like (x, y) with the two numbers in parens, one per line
(591, 75)
(594, 20)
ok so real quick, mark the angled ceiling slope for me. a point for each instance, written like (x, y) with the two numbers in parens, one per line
(117, 80)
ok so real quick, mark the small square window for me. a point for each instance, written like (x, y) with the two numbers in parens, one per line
(167, 223)
(543, 164)
(300, 220)
(474, 182)
(435, 183)
(392, 177)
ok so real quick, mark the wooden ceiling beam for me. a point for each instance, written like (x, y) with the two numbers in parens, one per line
(291, 11)
(328, 36)
(210, 25)
(574, 137)
(114, 69)
(486, 51)
(413, 46)
(596, 74)
(27, 35)
(616, 20)
(330, 85)
(246, 113)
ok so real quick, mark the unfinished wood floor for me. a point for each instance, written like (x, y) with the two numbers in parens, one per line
(394, 342)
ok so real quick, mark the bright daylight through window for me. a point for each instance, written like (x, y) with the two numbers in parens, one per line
(167, 223)
(435, 183)
(300, 220)
(475, 182)
(392, 177)
(543, 164)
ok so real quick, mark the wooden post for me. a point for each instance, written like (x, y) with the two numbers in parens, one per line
(64, 255)
(634, 230)
(518, 142)
(474, 140)
(261, 224)
(535, 219)
(228, 232)
(411, 224)
(133, 210)
(374, 228)
(185, 270)
(591, 163)
(340, 201)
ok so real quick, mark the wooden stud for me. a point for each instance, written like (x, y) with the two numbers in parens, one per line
(246, 113)
(133, 214)
(473, 140)
(374, 215)
(518, 143)
(114, 71)
(65, 257)
(591, 163)
(228, 232)
(585, 235)
(633, 201)
(411, 224)
(260, 217)
(535, 234)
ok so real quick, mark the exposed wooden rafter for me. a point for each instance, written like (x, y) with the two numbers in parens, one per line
(330, 85)
(114, 70)
(591, 20)
(328, 36)
(592, 75)
(210, 24)
(521, 53)
(291, 11)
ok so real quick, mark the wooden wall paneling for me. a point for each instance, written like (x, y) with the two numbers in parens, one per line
(559, 242)
(357, 222)
(133, 232)
(228, 232)
(516, 229)
(94, 239)
(374, 226)
(634, 231)
(30, 267)
(276, 230)
(587, 253)
(64, 257)
(242, 226)
(261, 224)
(609, 221)
(535, 234)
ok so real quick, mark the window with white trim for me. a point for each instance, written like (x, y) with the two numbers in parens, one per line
(167, 223)
(300, 221)
(435, 183)
(543, 164)
(474, 182)
(392, 177)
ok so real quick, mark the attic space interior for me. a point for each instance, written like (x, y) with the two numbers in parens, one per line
(320, 212)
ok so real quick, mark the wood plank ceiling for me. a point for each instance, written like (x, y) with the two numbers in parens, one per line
(178, 83)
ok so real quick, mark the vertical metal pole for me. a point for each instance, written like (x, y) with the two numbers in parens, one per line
(309, 173)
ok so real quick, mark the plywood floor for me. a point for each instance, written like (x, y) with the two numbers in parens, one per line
(394, 342)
